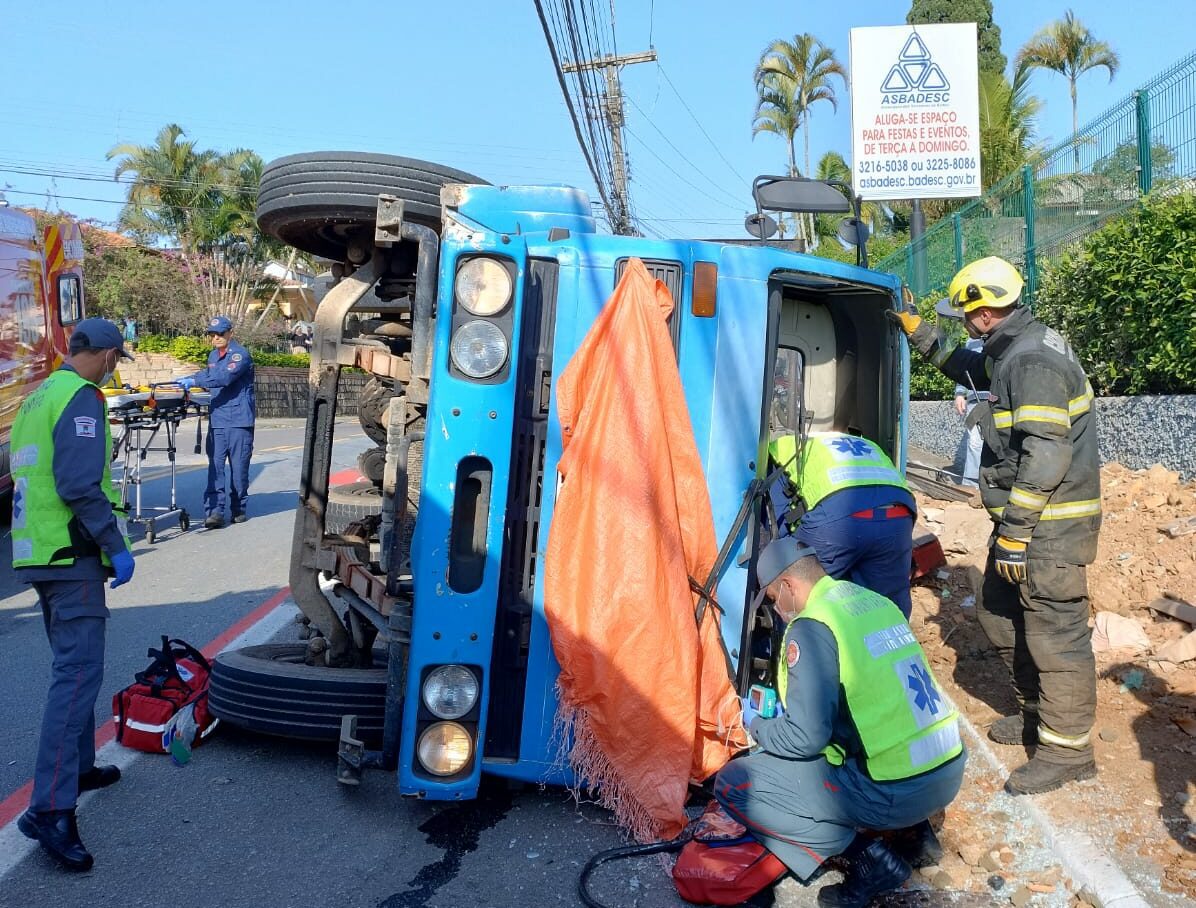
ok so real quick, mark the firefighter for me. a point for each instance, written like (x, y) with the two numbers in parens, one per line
(67, 537)
(866, 739)
(1040, 481)
(859, 514)
(229, 376)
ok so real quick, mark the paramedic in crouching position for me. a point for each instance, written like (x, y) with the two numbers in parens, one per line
(866, 740)
(859, 513)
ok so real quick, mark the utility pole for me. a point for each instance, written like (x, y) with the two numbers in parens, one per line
(612, 109)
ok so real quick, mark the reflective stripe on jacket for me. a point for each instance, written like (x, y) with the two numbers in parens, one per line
(906, 726)
(1040, 467)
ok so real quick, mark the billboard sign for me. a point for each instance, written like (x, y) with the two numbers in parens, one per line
(915, 112)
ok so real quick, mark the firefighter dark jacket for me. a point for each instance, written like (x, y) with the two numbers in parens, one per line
(1040, 468)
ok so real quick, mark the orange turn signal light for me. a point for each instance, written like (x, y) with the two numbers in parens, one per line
(705, 289)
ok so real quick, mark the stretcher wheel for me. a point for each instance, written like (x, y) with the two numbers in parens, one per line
(150, 535)
(184, 521)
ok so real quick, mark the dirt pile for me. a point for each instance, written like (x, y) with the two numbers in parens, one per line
(1142, 807)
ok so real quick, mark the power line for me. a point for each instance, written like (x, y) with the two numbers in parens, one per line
(675, 173)
(694, 116)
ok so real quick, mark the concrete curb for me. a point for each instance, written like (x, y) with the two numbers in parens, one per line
(1102, 881)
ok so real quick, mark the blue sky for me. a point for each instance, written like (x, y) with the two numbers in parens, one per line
(468, 84)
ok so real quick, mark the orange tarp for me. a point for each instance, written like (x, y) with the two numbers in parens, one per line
(645, 698)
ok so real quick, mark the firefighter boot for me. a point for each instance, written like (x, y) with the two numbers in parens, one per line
(99, 776)
(1015, 730)
(1049, 769)
(871, 870)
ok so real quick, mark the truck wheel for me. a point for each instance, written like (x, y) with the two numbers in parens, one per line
(350, 503)
(269, 689)
(372, 403)
(320, 201)
(372, 464)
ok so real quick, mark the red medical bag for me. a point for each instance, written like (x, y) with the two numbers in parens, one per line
(145, 711)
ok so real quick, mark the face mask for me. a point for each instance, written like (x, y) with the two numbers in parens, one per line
(107, 379)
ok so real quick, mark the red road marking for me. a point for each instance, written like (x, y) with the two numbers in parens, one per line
(344, 477)
(18, 801)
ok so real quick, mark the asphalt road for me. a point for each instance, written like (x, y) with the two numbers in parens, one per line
(261, 822)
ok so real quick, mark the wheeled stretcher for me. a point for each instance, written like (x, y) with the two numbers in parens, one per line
(144, 417)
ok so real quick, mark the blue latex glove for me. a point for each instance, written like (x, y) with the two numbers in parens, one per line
(122, 564)
(749, 711)
(187, 383)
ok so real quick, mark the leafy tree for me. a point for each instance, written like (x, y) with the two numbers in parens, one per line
(1125, 298)
(1008, 124)
(203, 201)
(1067, 47)
(978, 11)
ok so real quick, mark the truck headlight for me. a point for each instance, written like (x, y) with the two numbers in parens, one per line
(450, 691)
(483, 287)
(444, 749)
(479, 349)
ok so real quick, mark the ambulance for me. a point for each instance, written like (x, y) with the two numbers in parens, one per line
(41, 299)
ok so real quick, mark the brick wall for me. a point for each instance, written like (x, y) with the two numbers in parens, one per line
(280, 393)
(286, 392)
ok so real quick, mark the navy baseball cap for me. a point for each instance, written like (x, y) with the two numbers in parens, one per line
(98, 334)
(218, 325)
(777, 556)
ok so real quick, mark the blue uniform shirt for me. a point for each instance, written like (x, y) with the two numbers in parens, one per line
(78, 469)
(230, 379)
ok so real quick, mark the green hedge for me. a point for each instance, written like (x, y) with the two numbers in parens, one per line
(1126, 299)
(196, 350)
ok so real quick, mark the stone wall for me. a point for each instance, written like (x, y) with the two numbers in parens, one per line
(280, 393)
(1134, 431)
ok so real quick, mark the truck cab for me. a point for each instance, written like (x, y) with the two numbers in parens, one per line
(466, 319)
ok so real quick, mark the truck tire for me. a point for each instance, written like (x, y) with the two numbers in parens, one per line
(349, 503)
(318, 202)
(372, 403)
(269, 689)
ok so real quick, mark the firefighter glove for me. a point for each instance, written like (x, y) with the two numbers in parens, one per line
(1010, 557)
(907, 320)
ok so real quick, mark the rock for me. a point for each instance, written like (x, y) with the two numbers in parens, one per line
(1005, 856)
(942, 574)
(943, 880)
(1154, 502)
(1109, 734)
(932, 515)
(990, 862)
(1022, 897)
(971, 853)
(1041, 887)
(1175, 497)
(996, 882)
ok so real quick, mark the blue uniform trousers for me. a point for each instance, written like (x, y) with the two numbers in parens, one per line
(875, 552)
(67, 745)
(234, 445)
(805, 811)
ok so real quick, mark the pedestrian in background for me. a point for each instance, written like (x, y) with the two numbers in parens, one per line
(1040, 482)
(68, 536)
(130, 332)
(966, 399)
(231, 417)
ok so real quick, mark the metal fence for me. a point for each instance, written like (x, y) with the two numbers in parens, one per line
(1146, 143)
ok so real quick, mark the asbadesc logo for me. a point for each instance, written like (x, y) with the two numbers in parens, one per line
(915, 78)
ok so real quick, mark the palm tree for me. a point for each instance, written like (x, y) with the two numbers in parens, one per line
(833, 166)
(174, 189)
(1008, 124)
(801, 70)
(776, 113)
(1066, 46)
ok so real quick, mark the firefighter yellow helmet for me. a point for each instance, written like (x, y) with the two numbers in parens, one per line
(986, 282)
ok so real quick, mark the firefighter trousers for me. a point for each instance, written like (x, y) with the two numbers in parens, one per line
(1040, 628)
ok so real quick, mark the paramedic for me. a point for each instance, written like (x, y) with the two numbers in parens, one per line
(1040, 482)
(67, 538)
(229, 376)
(859, 513)
(853, 681)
